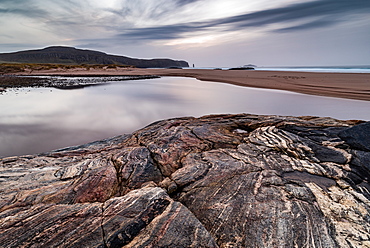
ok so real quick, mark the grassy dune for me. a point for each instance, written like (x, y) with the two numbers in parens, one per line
(10, 68)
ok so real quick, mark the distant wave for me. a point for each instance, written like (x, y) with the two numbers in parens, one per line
(318, 69)
(341, 69)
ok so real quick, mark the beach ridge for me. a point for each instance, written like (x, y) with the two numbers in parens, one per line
(342, 85)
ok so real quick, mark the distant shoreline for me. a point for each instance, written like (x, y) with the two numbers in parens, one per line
(343, 85)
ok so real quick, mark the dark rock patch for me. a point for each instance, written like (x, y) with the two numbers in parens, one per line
(358, 136)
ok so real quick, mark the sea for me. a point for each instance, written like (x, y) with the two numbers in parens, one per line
(341, 69)
(333, 69)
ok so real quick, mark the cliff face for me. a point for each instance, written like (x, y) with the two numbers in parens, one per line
(70, 55)
(216, 181)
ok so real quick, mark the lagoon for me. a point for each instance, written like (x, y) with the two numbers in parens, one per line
(34, 120)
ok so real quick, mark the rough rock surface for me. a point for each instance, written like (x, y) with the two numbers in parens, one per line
(216, 181)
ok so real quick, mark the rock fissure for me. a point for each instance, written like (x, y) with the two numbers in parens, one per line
(117, 168)
(130, 230)
(212, 145)
(104, 236)
(155, 161)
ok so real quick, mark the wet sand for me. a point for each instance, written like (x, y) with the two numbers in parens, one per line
(343, 85)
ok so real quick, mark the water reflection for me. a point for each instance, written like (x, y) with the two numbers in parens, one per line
(42, 119)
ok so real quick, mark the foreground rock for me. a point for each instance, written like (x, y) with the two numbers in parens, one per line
(216, 181)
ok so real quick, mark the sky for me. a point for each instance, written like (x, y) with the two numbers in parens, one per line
(207, 33)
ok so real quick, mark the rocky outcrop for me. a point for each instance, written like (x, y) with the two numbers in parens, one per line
(71, 55)
(215, 181)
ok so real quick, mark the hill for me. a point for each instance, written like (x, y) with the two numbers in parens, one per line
(73, 56)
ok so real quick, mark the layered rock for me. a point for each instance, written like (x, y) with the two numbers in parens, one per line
(215, 181)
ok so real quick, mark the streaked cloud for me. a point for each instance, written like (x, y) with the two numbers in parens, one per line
(301, 16)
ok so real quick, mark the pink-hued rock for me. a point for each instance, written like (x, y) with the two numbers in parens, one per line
(215, 181)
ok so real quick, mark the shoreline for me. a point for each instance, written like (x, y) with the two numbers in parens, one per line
(342, 85)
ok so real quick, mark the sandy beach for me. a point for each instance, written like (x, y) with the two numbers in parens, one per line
(342, 85)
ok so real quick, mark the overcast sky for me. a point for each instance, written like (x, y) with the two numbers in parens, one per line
(204, 32)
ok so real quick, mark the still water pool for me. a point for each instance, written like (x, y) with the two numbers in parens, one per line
(34, 120)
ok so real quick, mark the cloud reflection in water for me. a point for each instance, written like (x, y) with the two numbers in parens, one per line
(42, 119)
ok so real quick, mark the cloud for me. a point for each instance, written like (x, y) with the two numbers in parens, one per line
(148, 9)
(185, 2)
(13, 1)
(320, 23)
(43, 11)
(131, 20)
(31, 13)
(18, 45)
(298, 12)
(163, 32)
(17, 7)
(294, 17)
